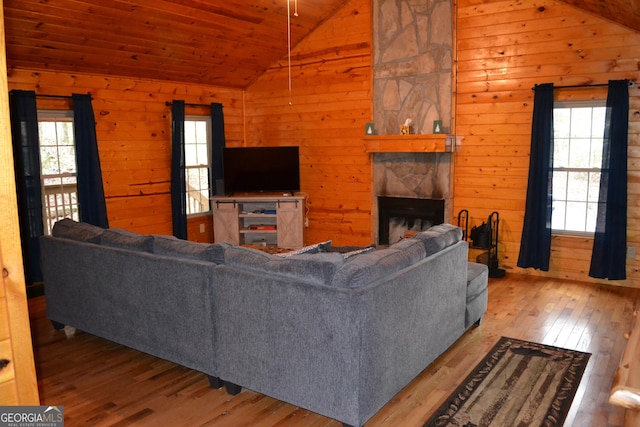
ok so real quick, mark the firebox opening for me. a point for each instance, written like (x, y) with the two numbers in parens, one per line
(398, 214)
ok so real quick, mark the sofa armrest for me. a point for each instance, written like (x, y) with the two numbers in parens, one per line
(155, 304)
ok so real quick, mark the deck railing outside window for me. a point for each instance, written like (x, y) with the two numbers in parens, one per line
(61, 200)
(60, 196)
(197, 202)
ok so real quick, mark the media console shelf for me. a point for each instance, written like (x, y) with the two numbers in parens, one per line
(259, 220)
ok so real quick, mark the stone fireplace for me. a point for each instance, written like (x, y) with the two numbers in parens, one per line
(412, 79)
(412, 192)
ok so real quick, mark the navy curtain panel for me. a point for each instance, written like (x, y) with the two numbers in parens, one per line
(26, 154)
(178, 174)
(217, 150)
(608, 259)
(93, 209)
(535, 245)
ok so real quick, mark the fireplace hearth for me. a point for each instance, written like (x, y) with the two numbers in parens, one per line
(406, 213)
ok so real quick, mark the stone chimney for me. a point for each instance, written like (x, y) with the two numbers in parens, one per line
(412, 64)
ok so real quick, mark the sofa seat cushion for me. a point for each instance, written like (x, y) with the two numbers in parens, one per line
(477, 277)
(438, 237)
(172, 246)
(318, 268)
(361, 270)
(79, 231)
(477, 293)
(123, 239)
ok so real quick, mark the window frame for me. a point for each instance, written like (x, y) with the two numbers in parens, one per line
(47, 115)
(207, 120)
(590, 103)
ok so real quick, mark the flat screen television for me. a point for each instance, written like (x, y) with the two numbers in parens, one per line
(261, 170)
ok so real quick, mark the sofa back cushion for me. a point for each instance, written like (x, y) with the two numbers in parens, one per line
(80, 231)
(438, 237)
(172, 246)
(123, 239)
(317, 268)
(361, 270)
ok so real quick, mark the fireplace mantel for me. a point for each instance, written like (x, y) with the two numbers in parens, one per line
(435, 143)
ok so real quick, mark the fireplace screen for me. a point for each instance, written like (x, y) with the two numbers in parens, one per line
(406, 214)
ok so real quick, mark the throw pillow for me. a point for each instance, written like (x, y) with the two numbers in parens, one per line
(347, 251)
(361, 251)
(313, 249)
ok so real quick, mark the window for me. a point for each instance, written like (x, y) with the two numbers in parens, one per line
(197, 137)
(578, 131)
(57, 167)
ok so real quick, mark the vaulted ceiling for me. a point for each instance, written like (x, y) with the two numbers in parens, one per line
(624, 12)
(226, 43)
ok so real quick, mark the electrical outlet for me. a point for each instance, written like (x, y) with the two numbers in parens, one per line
(631, 252)
(201, 228)
(306, 222)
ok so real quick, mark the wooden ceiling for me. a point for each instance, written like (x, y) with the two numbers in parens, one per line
(624, 12)
(224, 43)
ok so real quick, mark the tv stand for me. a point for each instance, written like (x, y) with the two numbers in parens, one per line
(262, 220)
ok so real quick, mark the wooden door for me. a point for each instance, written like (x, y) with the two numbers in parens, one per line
(290, 224)
(226, 225)
(18, 383)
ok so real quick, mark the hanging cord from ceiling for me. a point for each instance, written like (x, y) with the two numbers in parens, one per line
(295, 13)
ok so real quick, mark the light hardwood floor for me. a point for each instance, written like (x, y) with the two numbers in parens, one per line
(104, 384)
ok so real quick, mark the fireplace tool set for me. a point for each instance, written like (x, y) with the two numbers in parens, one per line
(485, 237)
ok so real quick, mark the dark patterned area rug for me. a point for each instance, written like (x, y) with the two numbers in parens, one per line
(519, 383)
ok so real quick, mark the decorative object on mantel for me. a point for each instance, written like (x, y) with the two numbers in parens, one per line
(370, 129)
(405, 129)
(437, 126)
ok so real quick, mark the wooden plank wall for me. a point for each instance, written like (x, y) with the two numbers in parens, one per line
(504, 49)
(133, 127)
(330, 105)
(18, 381)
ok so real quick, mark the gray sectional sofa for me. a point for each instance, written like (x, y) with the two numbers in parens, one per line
(339, 335)
(151, 293)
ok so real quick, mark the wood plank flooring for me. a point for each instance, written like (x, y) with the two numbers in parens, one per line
(104, 384)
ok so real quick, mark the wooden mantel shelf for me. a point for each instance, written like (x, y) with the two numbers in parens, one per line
(436, 143)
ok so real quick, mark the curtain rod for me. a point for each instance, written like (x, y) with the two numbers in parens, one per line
(44, 95)
(631, 84)
(169, 104)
